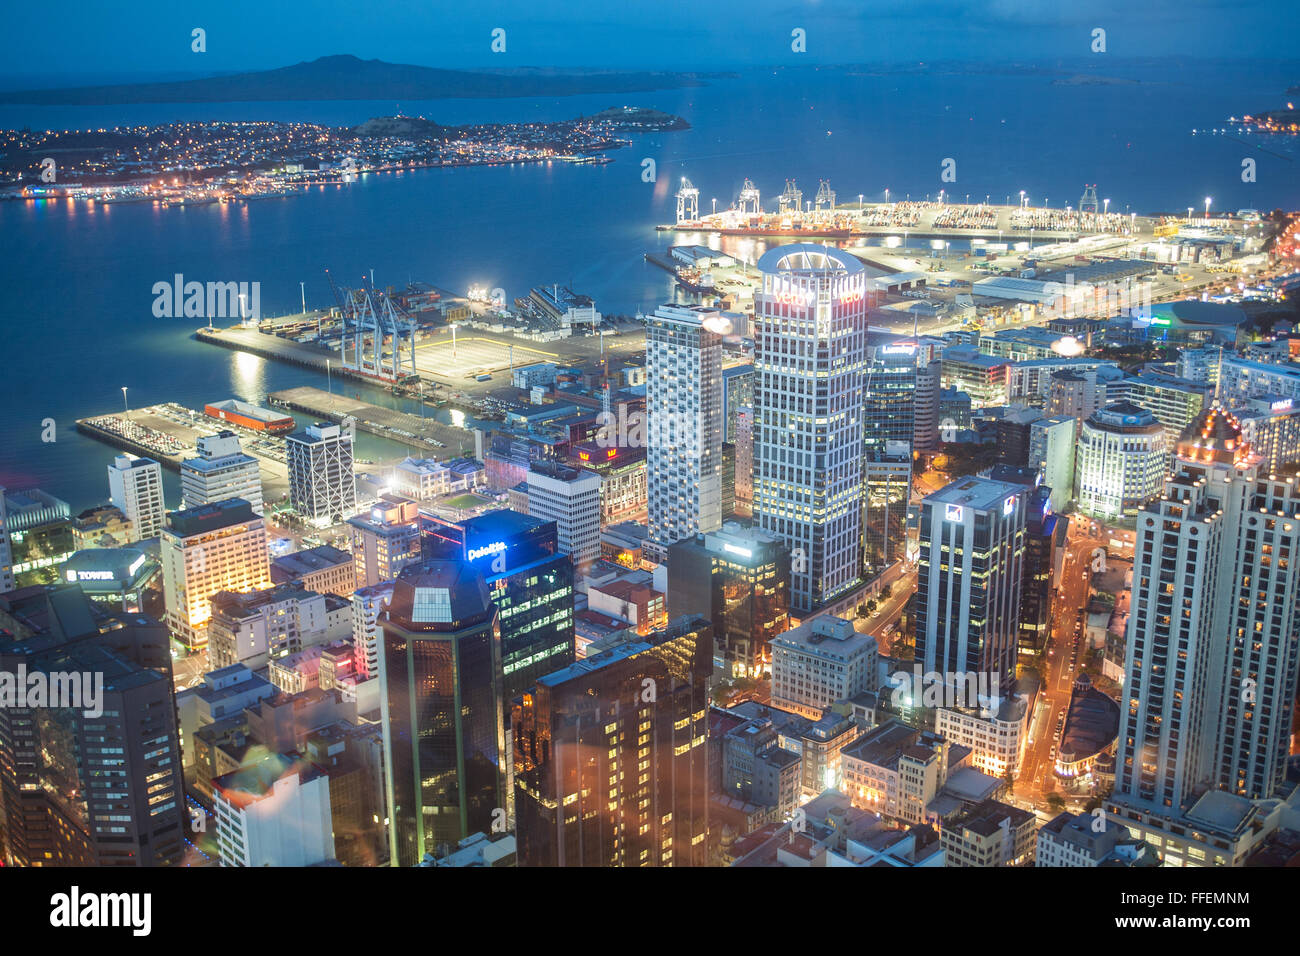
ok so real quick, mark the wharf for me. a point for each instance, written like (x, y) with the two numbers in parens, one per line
(425, 435)
(168, 434)
(284, 350)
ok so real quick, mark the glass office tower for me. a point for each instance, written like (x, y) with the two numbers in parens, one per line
(444, 748)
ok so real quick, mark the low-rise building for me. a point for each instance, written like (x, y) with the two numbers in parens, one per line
(990, 834)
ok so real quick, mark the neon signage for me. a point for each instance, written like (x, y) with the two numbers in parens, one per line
(496, 547)
(794, 298)
(952, 513)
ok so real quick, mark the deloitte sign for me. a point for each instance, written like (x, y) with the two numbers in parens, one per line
(496, 547)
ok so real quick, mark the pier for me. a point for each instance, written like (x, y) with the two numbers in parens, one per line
(424, 435)
(168, 434)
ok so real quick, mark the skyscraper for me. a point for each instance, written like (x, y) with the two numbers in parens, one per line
(529, 580)
(611, 767)
(135, 486)
(444, 746)
(889, 393)
(810, 358)
(1214, 635)
(1051, 453)
(94, 781)
(686, 421)
(738, 579)
(219, 472)
(969, 575)
(322, 485)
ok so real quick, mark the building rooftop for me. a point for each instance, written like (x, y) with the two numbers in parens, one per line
(981, 494)
(439, 596)
(205, 519)
(291, 566)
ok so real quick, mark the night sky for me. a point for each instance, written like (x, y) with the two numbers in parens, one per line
(98, 41)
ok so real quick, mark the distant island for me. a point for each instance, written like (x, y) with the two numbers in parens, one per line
(233, 160)
(346, 77)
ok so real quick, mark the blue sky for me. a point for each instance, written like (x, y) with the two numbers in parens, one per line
(98, 38)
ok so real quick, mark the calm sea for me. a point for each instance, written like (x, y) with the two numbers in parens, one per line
(77, 280)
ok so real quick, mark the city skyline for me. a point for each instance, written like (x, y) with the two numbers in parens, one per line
(779, 435)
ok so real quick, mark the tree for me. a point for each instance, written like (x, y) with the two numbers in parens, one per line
(1056, 801)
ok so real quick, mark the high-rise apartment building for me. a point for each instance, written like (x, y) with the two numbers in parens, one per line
(322, 485)
(219, 472)
(205, 550)
(611, 766)
(969, 573)
(925, 414)
(810, 358)
(1214, 632)
(135, 487)
(686, 421)
(444, 745)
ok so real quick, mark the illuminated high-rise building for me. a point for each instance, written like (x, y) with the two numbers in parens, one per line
(611, 762)
(529, 580)
(206, 550)
(739, 580)
(1214, 633)
(685, 423)
(810, 336)
(969, 579)
(135, 486)
(92, 779)
(440, 697)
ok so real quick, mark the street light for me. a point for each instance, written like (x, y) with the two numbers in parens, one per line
(453, 340)
(1105, 206)
(1207, 207)
(125, 407)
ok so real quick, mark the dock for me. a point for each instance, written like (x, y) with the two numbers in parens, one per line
(168, 434)
(425, 435)
(284, 350)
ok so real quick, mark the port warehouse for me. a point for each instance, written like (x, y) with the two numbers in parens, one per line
(250, 416)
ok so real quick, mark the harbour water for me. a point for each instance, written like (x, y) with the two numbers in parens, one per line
(77, 313)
